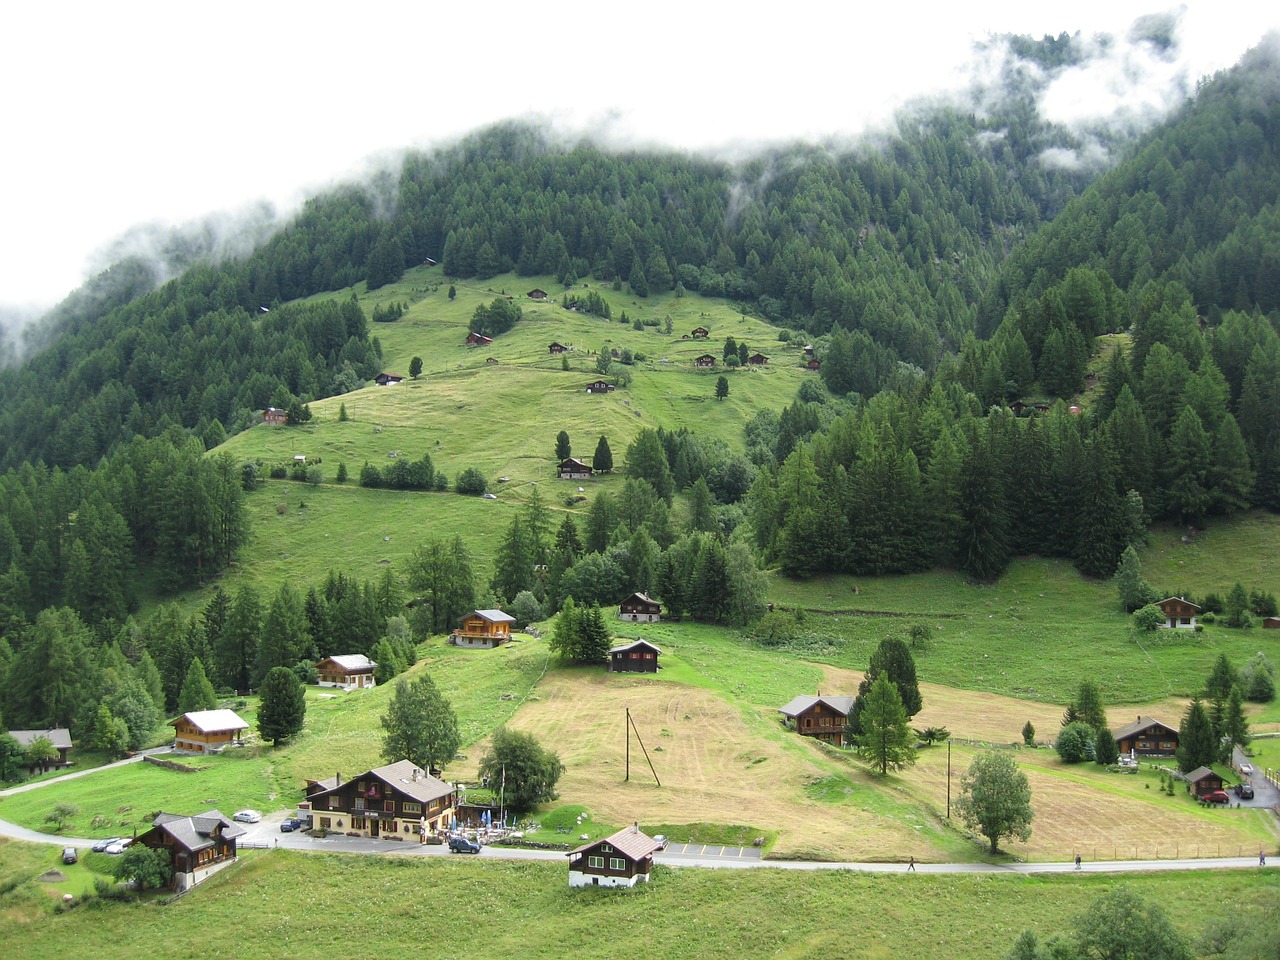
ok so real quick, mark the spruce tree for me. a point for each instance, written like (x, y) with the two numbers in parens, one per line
(197, 692)
(1107, 750)
(282, 708)
(886, 740)
(602, 462)
(1196, 746)
(563, 449)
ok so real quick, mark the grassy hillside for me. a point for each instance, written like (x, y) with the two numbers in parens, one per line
(258, 909)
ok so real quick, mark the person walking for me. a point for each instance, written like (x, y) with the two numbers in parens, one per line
(911, 865)
(1077, 861)
(1262, 858)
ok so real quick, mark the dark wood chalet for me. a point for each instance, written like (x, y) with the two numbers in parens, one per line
(478, 340)
(819, 717)
(386, 379)
(814, 364)
(1202, 781)
(399, 800)
(557, 348)
(706, 360)
(348, 671)
(599, 386)
(757, 360)
(639, 656)
(274, 415)
(620, 860)
(60, 737)
(572, 468)
(1178, 612)
(483, 628)
(700, 333)
(536, 294)
(1147, 737)
(207, 731)
(638, 608)
(1271, 623)
(198, 846)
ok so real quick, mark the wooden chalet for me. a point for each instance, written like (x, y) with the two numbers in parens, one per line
(639, 608)
(1178, 613)
(274, 415)
(1018, 408)
(198, 846)
(1271, 623)
(60, 737)
(814, 364)
(557, 348)
(387, 379)
(819, 717)
(398, 800)
(638, 656)
(478, 340)
(572, 468)
(348, 672)
(757, 360)
(700, 333)
(620, 860)
(1202, 781)
(599, 386)
(536, 294)
(1147, 737)
(807, 350)
(483, 628)
(706, 360)
(207, 731)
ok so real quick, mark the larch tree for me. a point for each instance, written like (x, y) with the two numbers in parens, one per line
(420, 726)
(886, 740)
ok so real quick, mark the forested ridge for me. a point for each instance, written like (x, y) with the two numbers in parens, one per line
(947, 278)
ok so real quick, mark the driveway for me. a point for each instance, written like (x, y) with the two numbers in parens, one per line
(1265, 793)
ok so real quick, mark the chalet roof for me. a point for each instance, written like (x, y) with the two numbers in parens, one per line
(60, 737)
(633, 644)
(1161, 603)
(629, 841)
(643, 598)
(573, 463)
(403, 775)
(198, 832)
(705, 356)
(1137, 726)
(353, 662)
(803, 702)
(1200, 773)
(493, 616)
(211, 721)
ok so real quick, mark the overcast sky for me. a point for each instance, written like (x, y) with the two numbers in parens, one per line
(134, 112)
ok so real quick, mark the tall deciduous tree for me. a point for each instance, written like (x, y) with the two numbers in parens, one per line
(523, 772)
(995, 799)
(886, 739)
(282, 709)
(420, 726)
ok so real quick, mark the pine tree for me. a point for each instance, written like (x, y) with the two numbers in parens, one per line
(1235, 727)
(602, 462)
(1196, 746)
(1088, 705)
(563, 449)
(722, 387)
(197, 692)
(1107, 751)
(1132, 590)
(282, 709)
(886, 740)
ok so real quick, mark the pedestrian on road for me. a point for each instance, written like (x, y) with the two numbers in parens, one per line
(911, 865)
(1077, 861)
(1262, 858)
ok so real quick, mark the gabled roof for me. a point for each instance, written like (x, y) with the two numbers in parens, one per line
(1161, 603)
(493, 616)
(1137, 726)
(198, 832)
(60, 737)
(803, 702)
(642, 597)
(633, 644)
(399, 775)
(211, 721)
(629, 841)
(1200, 773)
(353, 662)
(573, 463)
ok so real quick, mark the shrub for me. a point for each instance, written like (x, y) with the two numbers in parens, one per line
(472, 482)
(1076, 743)
(1148, 618)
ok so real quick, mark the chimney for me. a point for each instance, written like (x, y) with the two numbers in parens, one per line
(416, 771)
(338, 778)
(635, 827)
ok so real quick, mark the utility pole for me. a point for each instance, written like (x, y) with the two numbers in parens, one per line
(948, 778)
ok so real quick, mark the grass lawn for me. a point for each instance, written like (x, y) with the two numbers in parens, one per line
(492, 910)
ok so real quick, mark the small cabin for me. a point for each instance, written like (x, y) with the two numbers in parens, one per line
(197, 847)
(571, 468)
(599, 386)
(60, 737)
(347, 672)
(207, 731)
(1271, 623)
(639, 656)
(814, 364)
(478, 340)
(387, 379)
(820, 717)
(483, 628)
(1147, 736)
(274, 415)
(536, 294)
(1179, 613)
(706, 360)
(639, 608)
(700, 333)
(757, 360)
(557, 348)
(622, 859)
(1202, 781)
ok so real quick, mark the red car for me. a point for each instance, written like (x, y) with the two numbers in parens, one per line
(1217, 796)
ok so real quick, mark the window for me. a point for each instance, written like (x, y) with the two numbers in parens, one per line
(335, 803)
(410, 807)
(324, 823)
(597, 862)
(357, 823)
(1168, 745)
(359, 803)
(389, 806)
(605, 848)
(617, 863)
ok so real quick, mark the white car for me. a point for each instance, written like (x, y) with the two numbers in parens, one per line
(1246, 770)
(117, 847)
(247, 816)
(491, 496)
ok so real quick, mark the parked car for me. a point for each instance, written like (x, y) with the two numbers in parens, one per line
(463, 845)
(1246, 770)
(102, 845)
(117, 847)
(69, 855)
(1216, 796)
(290, 824)
(661, 841)
(246, 816)
(1244, 791)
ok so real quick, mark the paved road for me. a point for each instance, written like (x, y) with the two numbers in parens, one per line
(136, 758)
